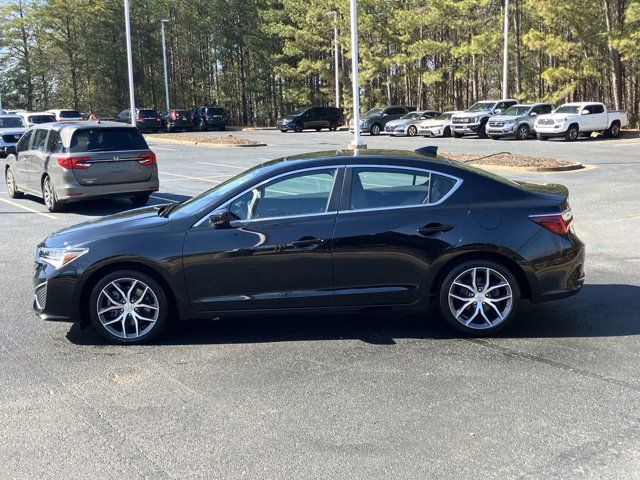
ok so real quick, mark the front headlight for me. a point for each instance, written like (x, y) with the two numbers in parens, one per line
(364, 124)
(59, 257)
(473, 120)
(509, 122)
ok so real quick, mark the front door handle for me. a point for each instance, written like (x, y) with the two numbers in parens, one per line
(433, 228)
(307, 242)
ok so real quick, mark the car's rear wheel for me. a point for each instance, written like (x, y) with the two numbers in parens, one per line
(522, 133)
(458, 135)
(333, 126)
(128, 306)
(140, 199)
(12, 187)
(49, 195)
(614, 130)
(412, 131)
(168, 127)
(479, 297)
(494, 137)
(201, 126)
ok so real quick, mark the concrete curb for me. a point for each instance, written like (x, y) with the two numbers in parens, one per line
(202, 144)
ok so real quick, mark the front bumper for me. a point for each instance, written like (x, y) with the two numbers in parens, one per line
(465, 128)
(505, 130)
(557, 130)
(431, 132)
(53, 293)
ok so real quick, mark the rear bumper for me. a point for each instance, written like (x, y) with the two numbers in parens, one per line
(69, 190)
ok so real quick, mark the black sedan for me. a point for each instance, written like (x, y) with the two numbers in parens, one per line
(329, 231)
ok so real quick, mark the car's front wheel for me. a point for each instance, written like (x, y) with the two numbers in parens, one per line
(127, 306)
(479, 297)
(375, 129)
(12, 187)
(412, 131)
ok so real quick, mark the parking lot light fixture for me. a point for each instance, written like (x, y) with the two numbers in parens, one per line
(357, 143)
(164, 62)
(127, 27)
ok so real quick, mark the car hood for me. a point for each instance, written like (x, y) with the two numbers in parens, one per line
(503, 118)
(86, 232)
(289, 117)
(13, 131)
(466, 114)
(432, 122)
(398, 123)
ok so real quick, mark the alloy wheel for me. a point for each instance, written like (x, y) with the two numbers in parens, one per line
(47, 193)
(412, 131)
(128, 308)
(375, 130)
(615, 130)
(480, 298)
(11, 184)
(523, 132)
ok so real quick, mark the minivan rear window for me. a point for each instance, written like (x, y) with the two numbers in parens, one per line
(107, 140)
(147, 113)
(215, 111)
(70, 114)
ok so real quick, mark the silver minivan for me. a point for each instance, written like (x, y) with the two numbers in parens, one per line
(65, 162)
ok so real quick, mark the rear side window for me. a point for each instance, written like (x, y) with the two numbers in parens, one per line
(147, 113)
(70, 114)
(215, 111)
(54, 143)
(373, 188)
(597, 109)
(23, 143)
(39, 140)
(107, 140)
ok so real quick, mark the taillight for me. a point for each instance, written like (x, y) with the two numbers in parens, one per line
(206, 118)
(73, 163)
(173, 115)
(147, 158)
(139, 119)
(557, 222)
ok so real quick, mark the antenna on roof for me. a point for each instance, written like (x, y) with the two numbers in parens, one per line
(430, 151)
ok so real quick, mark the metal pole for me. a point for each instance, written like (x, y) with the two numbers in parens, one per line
(336, 66)
(127, 27)
(505, 54)
(354, 77)
(164, 60)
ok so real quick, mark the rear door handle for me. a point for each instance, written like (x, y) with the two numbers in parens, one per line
(307, 242)
(433, 228)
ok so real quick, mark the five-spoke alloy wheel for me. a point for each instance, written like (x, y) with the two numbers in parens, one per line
(128, 307)
(479, 297)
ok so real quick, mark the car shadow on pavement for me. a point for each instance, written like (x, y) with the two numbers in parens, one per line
(597, 311)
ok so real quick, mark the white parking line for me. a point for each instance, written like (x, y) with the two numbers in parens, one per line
(222, 165)
(202, 179)
(28, 209)
(624, 143)
(164, 199)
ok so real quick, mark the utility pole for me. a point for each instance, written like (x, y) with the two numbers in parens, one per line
(164, 60)
(335, 55)
(127, 27)
(505, 54)
(355, 84)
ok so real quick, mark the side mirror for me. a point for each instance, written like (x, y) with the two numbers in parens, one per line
(498, 111)
(533, 114)
(221, 219)
(584, 112)
(11, 150)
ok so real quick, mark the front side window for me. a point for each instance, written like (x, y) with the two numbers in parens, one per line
(298, 194)
(373, 188)
(23, 143)
(597, 109)
(39, 140)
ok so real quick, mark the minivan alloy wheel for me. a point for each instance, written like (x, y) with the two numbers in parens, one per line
(480, 298)
(128, 308)
(12, 188)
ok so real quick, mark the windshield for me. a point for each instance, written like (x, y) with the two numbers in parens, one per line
(107, 140)
(516, 111)
(299, 112)
(374, 112)
(41, 119)
(444, 116)
(11, 122)
(205, 199)
(481, 106)
(568, 109)
(69, 114)
(411, 116)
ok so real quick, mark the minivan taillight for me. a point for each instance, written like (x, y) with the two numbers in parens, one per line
(206, 118)
(173, 115)
(147, 158)
(557, 222)
(73, 163)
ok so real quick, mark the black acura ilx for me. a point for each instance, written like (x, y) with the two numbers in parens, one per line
(328, 231)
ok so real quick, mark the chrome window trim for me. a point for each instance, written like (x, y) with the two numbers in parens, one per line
(401, 167)
(285, 174)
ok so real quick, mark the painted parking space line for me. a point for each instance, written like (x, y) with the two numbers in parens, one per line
(190, 177)
(223, 165)
(624, 143)
(28, 209)
(164, 199)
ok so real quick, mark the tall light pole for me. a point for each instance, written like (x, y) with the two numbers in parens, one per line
(127, 28)
(505, 53)
(164, 61)
(355, 85)
(335, 54)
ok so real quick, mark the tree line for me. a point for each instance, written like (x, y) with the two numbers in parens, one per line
(262, 58)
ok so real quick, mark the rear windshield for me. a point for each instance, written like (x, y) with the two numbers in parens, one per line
(11, 122)
(70, 114)
(147, 113)
(215, 111)
(41, 119)
(182, 112)
(107, 140)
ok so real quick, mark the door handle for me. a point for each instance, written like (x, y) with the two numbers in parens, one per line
(433, 228)
(307, 242)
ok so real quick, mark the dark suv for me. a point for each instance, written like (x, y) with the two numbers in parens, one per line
(374, 120)
(205, 118)
(176, 119)
(147, 119)
(315, 118)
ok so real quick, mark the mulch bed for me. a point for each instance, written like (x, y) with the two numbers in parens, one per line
(511, 160)
(205, 139)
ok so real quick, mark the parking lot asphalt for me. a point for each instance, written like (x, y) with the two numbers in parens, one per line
(556, 395)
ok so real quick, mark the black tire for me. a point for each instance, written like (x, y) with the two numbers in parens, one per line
(140, 199)
(482, 131)
(201, 126)
(447, 132)
(412, 131)
(481, 318)
(49, 195)
(284, 130)
(544, 138)
(12, 187)
(298, 127)
(168, 128)
(3, 155)
(458, 135)
(147, 330)
(333, 126)
(494, 137)
(572, 133)
(522, 133)
(318, 129)
(375, 129)
(614, 130)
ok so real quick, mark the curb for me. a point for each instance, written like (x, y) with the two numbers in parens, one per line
(203, 144)
(506, 168)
